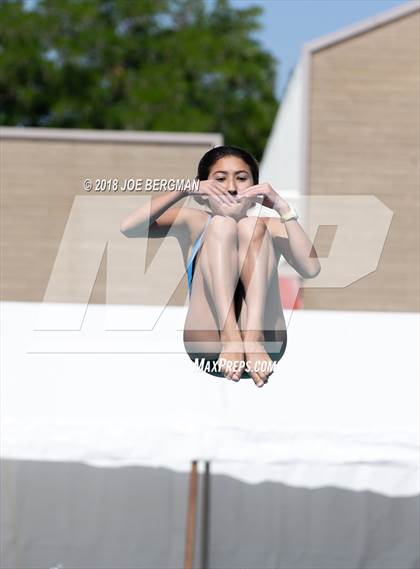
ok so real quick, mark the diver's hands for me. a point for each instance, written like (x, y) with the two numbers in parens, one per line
(213, 189)
(265, 195)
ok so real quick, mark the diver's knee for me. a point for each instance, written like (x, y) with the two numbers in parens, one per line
(222, 228)
(251, 227)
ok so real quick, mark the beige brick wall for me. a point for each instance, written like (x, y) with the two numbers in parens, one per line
(364, 139)
(39, 180)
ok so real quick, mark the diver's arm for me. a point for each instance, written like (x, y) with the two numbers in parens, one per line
(297, 249)
(141, 221)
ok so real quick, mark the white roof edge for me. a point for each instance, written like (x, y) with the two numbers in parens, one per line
(89, 135)
(363, 26)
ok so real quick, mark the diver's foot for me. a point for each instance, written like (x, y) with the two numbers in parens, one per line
(259, 362)
(231, 358)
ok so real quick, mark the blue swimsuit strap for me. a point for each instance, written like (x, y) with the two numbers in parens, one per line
(194, 250)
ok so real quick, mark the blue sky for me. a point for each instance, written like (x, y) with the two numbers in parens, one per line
(287, 24)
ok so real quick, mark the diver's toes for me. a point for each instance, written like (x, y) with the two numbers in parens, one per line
(221, 368)
(263, 376)
(227, 372)
(257, 379)
(235, 376)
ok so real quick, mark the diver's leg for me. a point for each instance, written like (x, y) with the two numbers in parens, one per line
(218, 261)
(201, 335)
(257, 262)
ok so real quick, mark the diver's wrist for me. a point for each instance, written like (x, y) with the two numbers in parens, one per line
(189, 189)
(281, 206)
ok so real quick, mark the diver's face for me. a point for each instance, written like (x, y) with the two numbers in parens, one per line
(235, 175)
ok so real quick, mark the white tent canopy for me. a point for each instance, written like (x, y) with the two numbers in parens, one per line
(341, 408)
(98, 437)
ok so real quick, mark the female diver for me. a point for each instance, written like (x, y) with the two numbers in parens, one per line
(235, 319)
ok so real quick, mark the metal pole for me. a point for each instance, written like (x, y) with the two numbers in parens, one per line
(192, 507)
(205, 516)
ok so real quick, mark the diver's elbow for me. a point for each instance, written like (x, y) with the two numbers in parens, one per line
(313, 273)
(124, 231)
